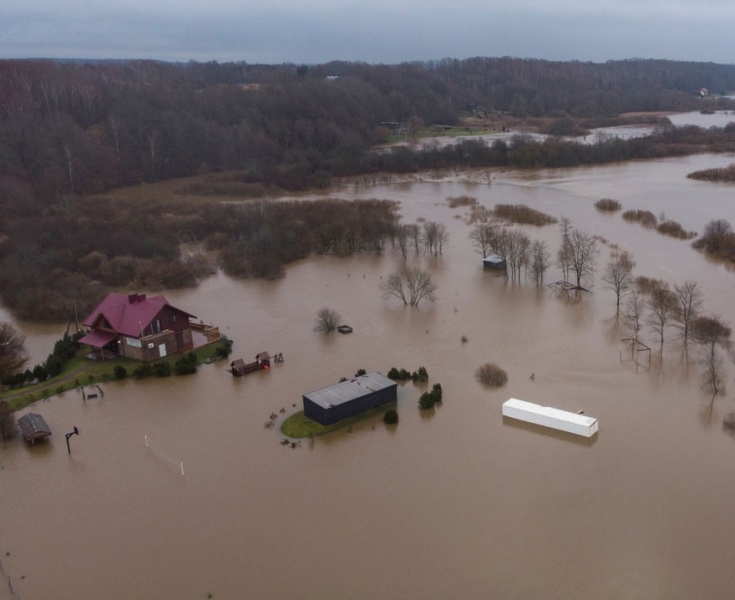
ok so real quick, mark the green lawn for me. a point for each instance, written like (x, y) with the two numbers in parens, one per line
(299, 425)
(81, 371)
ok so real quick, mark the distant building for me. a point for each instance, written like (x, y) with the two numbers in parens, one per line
(142, 328)
(494, 262)
(349, 398)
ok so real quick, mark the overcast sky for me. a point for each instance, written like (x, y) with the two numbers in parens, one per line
(373, 31)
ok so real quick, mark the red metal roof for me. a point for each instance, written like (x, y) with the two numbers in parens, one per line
(98, 338)
(128, 314)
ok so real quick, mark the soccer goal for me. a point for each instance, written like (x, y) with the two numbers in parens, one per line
(162, 454)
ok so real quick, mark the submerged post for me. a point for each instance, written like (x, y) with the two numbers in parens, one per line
(68, 435)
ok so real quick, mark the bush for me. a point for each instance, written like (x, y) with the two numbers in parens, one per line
(644, 217)
(426, 401)
(161, 369)
(360, 373)
(120, 372)
(399, 375)
(54, 365)
(421, 375)
(674, 229)
(143, 370)
(186, 365)
(608, 205)
(429, 399)
(522, 214)
(491, 375)
(390, 417)
(457, 201)
(223, 348)
(728, 422)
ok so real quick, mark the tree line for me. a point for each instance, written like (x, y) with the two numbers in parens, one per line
(88, 127)
(76, 252)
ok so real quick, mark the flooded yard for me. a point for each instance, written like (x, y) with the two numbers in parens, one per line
(456, 502)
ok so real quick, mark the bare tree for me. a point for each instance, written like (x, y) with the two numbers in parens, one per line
(518, 245)
(410, 286)
(689, 297)
(563, 256)
(414, 234)
(327, 320)
(582, 249)
(12, 351)
(434, 237)
(540, 258)
(634, 309)
(618, 276)
(711, 332)
(481, 237)
(662, 308)
(401, 237)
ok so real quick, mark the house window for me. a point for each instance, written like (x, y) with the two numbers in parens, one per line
(171, 319)
(156, 326)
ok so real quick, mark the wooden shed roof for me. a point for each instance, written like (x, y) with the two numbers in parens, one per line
(34, 427)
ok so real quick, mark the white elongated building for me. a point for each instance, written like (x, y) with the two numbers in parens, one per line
(550, 417)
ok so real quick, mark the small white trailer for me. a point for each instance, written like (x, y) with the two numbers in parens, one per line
(550, 417)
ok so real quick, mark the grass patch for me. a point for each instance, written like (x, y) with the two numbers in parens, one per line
(522, 214)
(81, 371)
(299, 425)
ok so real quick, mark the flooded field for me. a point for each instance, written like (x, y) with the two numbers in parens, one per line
(452, 503)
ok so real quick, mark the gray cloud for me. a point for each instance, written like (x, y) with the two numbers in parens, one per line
(380, 31)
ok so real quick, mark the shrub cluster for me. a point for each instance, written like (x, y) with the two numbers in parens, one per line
(608, 205)
(186, 365)
(457, 201)
(419, 376)
(644, 217)
(491, 375)
(718, 240)
(64, 350)
(430, 398)
(726, 174)
(674, 229)
(522, 214)
(223, 348)
(646, 285)
(390, 417)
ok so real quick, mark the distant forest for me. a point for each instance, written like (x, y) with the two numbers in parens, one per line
(69, 130)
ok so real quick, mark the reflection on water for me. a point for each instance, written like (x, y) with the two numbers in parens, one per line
(456, 502)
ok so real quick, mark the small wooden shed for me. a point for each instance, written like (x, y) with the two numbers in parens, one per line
(34, 428)
(239, 367)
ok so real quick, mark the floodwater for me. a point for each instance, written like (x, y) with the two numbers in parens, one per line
(454, 503)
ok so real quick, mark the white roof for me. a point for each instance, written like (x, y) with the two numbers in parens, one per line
(550, 412)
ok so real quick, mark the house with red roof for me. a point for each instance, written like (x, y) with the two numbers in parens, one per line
(138, 327)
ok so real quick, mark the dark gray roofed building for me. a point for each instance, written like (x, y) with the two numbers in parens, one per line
(349, 398)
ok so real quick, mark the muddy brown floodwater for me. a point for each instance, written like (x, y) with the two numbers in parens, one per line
(454, 503)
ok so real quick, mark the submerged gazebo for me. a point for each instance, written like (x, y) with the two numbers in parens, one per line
(34, 428)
